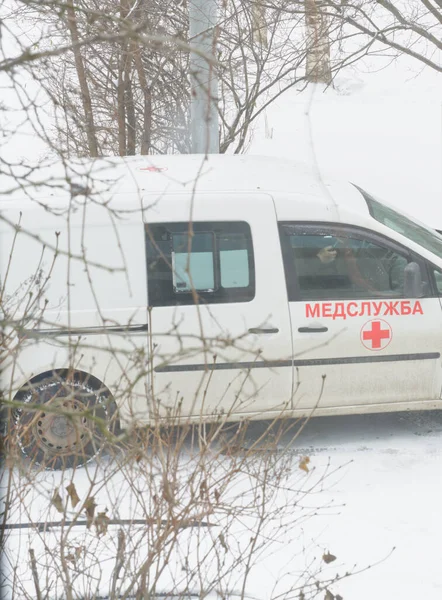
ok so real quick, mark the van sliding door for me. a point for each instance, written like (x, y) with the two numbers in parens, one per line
(221, 338)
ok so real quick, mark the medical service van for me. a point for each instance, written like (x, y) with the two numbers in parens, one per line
(189, 289)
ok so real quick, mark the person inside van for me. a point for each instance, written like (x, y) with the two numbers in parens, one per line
(328, 266)
(323, 268)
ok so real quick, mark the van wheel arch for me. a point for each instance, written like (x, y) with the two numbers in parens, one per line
(64, 374)
(56, 441)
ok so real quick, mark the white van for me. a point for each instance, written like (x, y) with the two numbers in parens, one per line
(232, 287)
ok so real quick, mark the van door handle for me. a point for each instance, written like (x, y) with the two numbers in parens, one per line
(313, 329)
(263, 330)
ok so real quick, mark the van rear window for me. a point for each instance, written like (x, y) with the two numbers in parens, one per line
(210, 263)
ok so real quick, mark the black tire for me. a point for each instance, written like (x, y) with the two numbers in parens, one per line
(72, 430)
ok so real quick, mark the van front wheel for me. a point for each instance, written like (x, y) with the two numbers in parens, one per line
(64, 419)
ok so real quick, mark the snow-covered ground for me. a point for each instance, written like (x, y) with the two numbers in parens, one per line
(376, 508)
(391, 492)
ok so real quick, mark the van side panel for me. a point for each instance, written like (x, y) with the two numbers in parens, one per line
(75, 281)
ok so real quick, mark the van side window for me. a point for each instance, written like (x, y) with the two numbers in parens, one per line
(215, 262)
(338, 263)
(193, 264)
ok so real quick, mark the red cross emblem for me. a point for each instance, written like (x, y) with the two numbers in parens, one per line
(153, 169)
(376, 334)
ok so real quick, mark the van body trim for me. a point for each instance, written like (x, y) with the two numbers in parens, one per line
(85, 330)
(314, 362)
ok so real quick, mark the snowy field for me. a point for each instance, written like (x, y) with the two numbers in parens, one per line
(391, 493)
(377, 510)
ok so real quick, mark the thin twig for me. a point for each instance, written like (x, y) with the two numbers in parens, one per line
(35, 574)
(44, 525)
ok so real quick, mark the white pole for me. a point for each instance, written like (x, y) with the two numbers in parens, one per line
(204, 83)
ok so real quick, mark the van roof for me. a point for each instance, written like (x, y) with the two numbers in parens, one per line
(159, 174)
(223, 173)
(174, 173)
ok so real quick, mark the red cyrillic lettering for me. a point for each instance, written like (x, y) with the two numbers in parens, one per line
(405, 307)
(391, 308)
(327, 309)
(352, 313)
(312, 310)
(339, 311)
(417, 309)
(377, 308)
(365, 305)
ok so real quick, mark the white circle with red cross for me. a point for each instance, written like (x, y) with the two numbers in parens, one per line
(376, 334)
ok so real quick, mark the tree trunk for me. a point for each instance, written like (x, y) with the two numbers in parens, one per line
(259, 24)
(131, 125)
(82, 79)
(121, 89)
(147, 108)
(318, 68)
(121, 112)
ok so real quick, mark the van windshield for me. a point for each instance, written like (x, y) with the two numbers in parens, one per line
(424, 236)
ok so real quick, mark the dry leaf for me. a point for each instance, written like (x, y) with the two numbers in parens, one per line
(73, 494)
(217, 495)
(328, 558)
(338, 597)
(73, 558)
(57, 501)
(303, 462)
(168, 494)
(89, 506)
(101, 523)
(328, 595)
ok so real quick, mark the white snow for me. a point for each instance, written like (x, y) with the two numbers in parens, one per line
(391, 492)
(375, 486)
